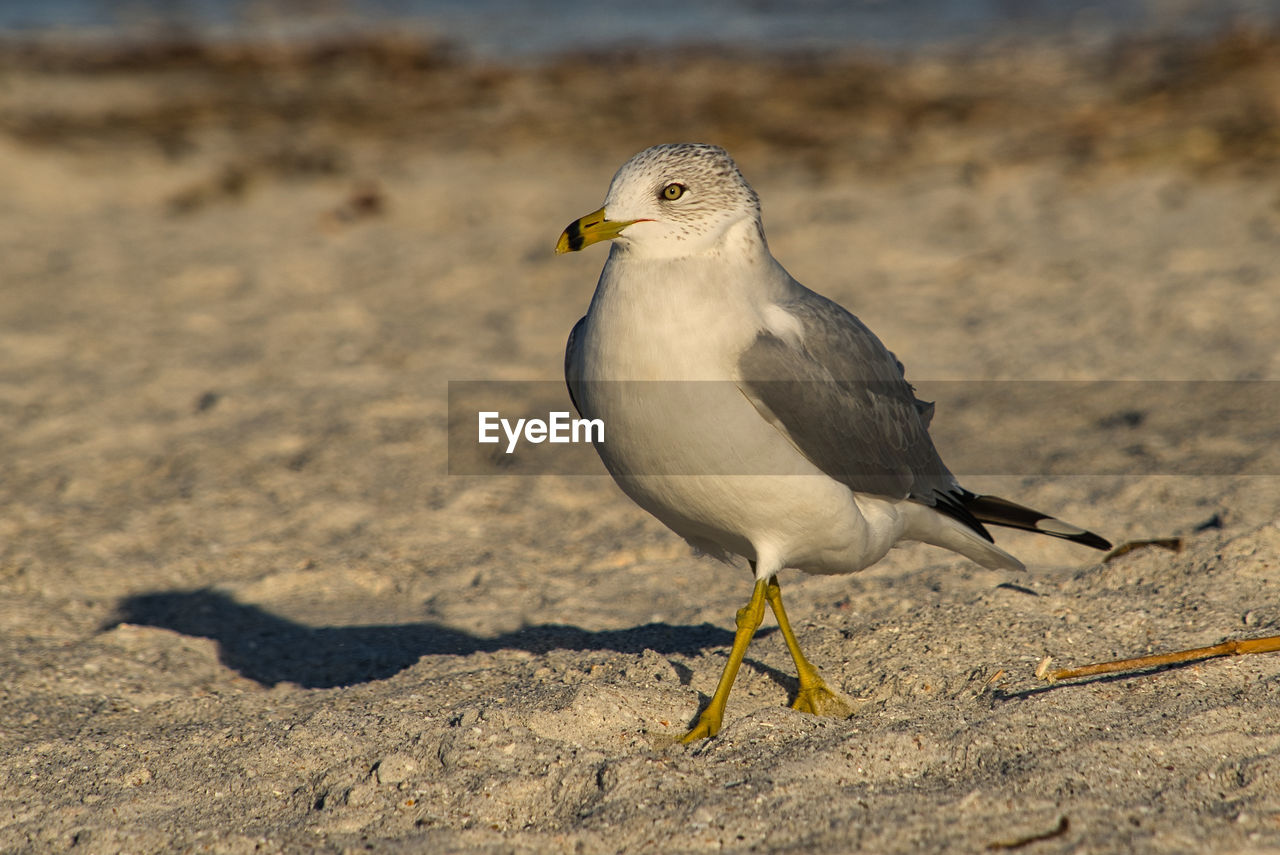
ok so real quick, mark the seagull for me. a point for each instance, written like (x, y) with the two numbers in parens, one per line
(750, 415)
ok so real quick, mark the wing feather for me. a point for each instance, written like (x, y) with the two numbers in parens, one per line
(843, 400)
(571, 361)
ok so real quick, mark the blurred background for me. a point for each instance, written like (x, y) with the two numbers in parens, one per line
(864, 85)
(245, 246)
(505, 29)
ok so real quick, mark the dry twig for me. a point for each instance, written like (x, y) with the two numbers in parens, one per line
(1235, 647)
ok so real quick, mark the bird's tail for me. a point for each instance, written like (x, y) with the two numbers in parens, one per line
(943, 528)
(998, 511)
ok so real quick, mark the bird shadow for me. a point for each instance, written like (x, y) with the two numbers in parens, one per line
(270, 649)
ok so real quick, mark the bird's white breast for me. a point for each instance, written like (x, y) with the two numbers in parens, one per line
(658, 361)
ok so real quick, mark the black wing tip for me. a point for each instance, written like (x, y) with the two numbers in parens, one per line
(955, 506)
(1091, 539)
(998, 511)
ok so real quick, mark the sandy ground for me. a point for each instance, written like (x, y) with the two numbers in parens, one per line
(243, 608)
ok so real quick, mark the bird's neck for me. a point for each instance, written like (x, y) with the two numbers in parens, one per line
(739, 255)
(649, 317)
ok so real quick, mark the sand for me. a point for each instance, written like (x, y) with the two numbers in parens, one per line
(244, 608)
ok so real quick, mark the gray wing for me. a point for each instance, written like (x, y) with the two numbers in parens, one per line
(571, 360)
(843, 400)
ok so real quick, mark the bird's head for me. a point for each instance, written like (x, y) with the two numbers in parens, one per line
(669, 201)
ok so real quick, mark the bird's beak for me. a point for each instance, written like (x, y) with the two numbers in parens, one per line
(592, 228)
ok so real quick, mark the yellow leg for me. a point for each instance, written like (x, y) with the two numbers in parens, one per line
(749, 617)
(814, 696)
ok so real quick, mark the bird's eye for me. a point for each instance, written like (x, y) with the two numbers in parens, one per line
(673, 191)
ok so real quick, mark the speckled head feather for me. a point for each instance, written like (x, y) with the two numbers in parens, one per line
(687, 194)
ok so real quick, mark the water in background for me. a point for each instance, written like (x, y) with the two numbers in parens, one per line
(530, 28)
